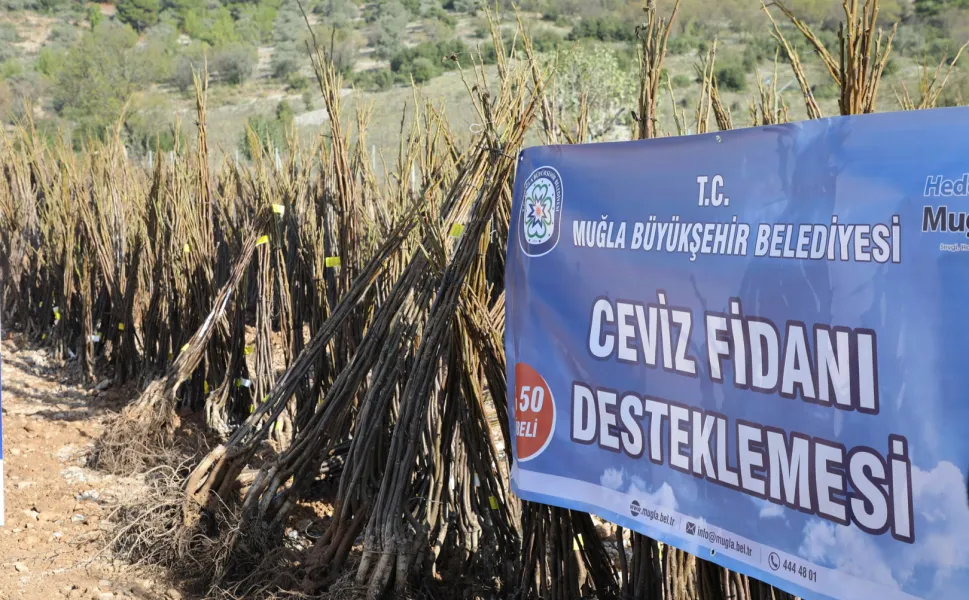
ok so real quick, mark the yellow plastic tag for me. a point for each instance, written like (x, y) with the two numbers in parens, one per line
(184, 348)
(494, 502)
(249, 350)
(333, 261)
(186, 249)
(43, 336)
(42, 304)
(279, 209)
(457, 229)
(263, 240)
(205, 387)
(575, 543)
(120, 326)
(57, 315)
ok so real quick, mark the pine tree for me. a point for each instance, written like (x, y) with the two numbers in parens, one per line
(140, 14)
(932, 8)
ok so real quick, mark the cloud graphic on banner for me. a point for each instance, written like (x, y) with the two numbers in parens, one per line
(612, 479)
(615, 479)
(846, 549)
(769, 510)
(664, 497)
(941, 521)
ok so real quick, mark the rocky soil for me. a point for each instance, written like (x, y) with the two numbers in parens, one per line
(57, 511)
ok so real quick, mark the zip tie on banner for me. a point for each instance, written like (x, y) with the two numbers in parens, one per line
(263, 240)
(456, 230)
(279, 209)
(332, 261)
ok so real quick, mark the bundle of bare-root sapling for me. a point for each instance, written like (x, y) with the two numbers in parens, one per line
(146, 427)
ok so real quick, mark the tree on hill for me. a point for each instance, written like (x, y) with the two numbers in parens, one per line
(140, 14)
(97, 76)
(933, 8)
(389, 27)
(338, 13)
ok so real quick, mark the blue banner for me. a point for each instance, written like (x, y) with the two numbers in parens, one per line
(752, 346)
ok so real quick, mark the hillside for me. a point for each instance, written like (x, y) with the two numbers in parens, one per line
(81, 65)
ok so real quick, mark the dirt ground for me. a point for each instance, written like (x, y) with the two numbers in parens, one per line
(57, 511)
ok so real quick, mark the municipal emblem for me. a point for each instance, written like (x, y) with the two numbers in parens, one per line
(541, 212)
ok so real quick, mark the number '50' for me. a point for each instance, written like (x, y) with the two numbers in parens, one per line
(534, 404)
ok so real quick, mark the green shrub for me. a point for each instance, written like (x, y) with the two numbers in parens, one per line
(687, 44)
(437, 30)
(390, 23)
(234, 64)
(148, 125)
(911, 40)
(8, 33)
(140, 14)
(462, 6)
(434, 57)
(374, 80)
(338, 13)
(62, 34)
(297, 82)
(423, 70)
(155, 57)
(10, 68)
(608, 28)
(215, 27)
(891, 67)
(731, 77)
(286, 60)
(269, 131)
(49, 61)
(546, 40)
(383, 79)
(97, 76)
(827, 90)
(183, 75)
(682, 81)
(8, 37)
